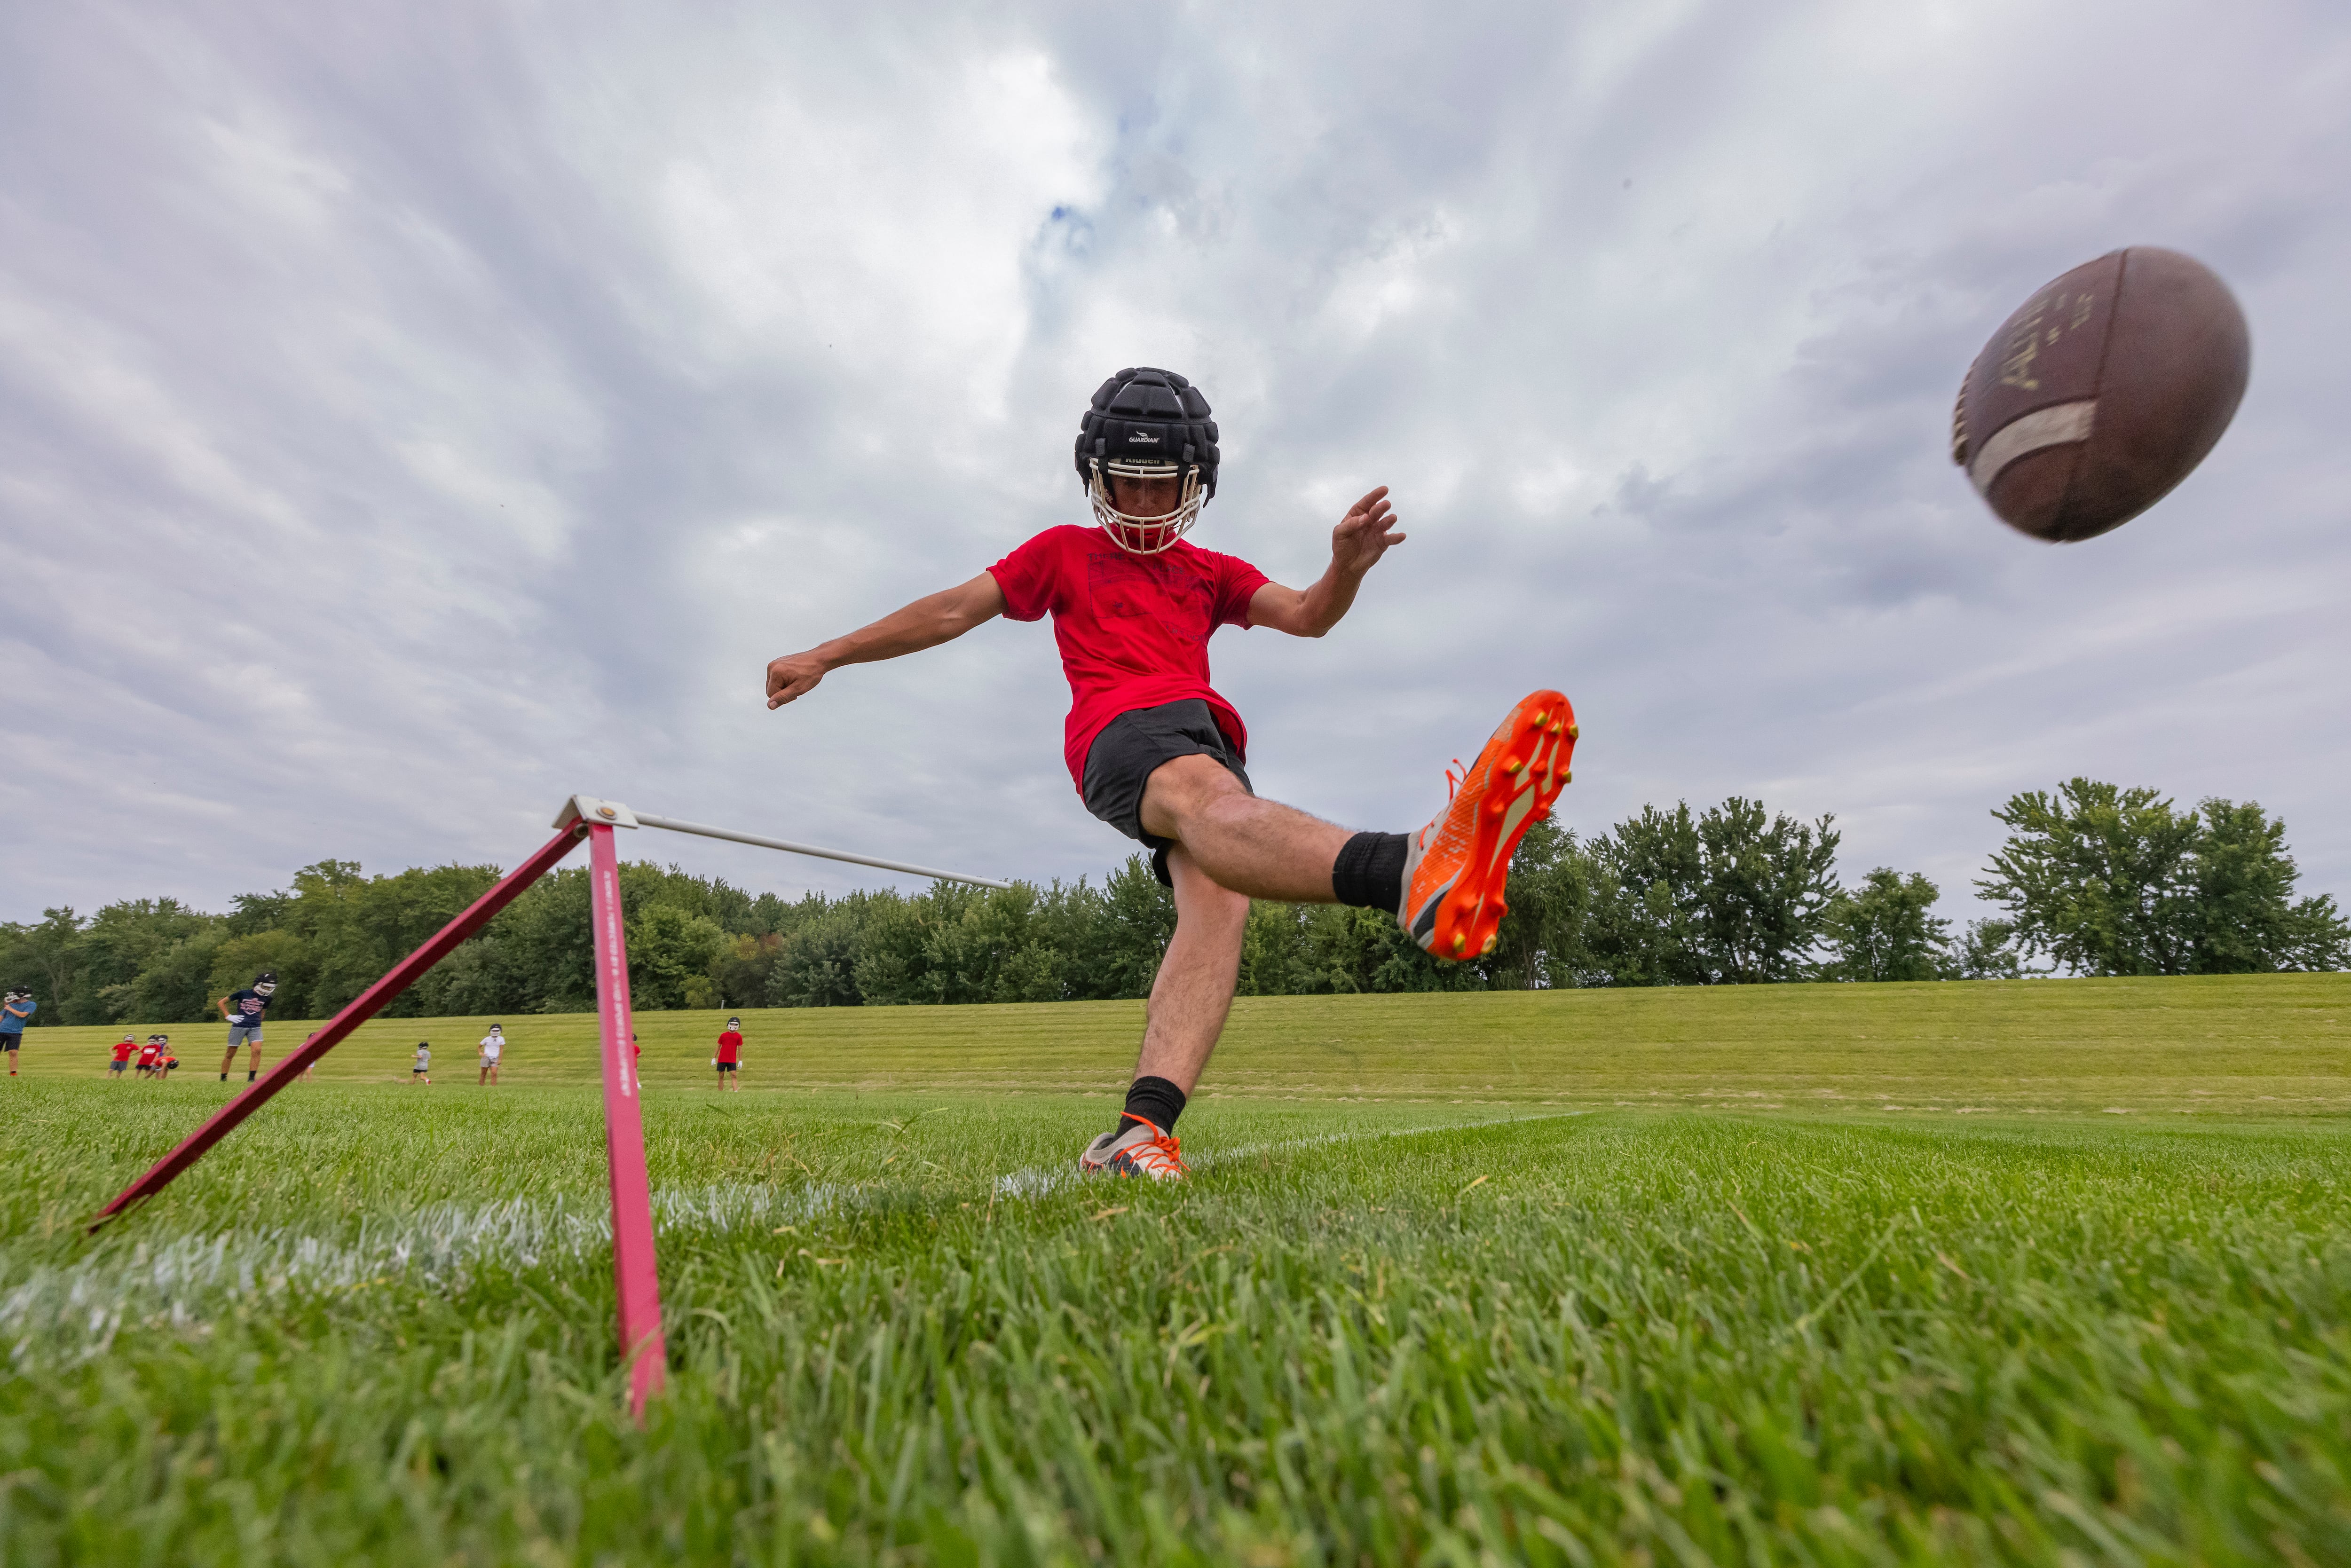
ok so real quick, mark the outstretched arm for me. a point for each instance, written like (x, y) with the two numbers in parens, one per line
(925, 623)
(1362, 536)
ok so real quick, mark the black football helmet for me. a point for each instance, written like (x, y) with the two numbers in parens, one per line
(1147, 423)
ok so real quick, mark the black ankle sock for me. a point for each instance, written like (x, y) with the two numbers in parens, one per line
(251, 1076)
(1369, 872)
(1155, 1100)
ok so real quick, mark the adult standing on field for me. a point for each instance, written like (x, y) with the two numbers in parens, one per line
(1155, 753)
(243, 1009)
(15, 1009)
(493, 1045)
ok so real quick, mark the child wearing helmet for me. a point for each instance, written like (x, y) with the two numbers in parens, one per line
(1157, 754)
(729, 1060)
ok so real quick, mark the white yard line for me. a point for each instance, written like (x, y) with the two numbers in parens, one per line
(70, 1314)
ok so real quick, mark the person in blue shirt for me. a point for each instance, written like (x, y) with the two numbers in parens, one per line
(243, 1010)
(14, 1009)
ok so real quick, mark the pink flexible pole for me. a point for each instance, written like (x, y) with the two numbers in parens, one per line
(404, 975)
(638, 1285)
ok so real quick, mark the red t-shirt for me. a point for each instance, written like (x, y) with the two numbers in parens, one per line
(1133, 629)
(729, 1043)
(147, 1055)
(124, 1049)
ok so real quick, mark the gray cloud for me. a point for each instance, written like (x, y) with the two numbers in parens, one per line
(407, 418)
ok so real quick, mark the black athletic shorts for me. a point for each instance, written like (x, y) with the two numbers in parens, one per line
(1131, 747)
(724, 1066)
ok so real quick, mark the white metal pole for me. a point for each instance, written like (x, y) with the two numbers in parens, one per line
(674, 826)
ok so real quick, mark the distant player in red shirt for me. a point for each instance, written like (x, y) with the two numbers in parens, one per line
(1159, 755)
(149, 1054)
(124, 1049)
(730, 1056)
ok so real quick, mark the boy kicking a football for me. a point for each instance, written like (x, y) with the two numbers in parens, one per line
(1159, 755)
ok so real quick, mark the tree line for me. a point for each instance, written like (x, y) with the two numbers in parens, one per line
(2091, 879)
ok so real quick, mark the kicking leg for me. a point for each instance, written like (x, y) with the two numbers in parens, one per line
(1262, 849)
(1444, 883)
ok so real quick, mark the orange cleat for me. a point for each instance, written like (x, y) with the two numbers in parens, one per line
(1455, 867)
(1137, 1149)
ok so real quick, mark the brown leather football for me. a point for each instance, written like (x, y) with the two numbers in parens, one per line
(2107, 390)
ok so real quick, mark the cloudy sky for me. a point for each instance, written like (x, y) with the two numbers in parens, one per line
(410, 415)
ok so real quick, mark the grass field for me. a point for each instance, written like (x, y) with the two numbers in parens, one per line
(2258, 1043)
(1645, 1278)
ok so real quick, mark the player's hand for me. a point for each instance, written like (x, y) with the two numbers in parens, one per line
(793, 675)
(1364, 534)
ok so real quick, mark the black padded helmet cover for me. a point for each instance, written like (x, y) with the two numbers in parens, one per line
(1143, 415)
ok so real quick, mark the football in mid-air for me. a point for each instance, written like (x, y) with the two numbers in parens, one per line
(2103, 393)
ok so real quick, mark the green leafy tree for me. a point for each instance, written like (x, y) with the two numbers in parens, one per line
(818, 967)
(671, 951)
(1885, 930)
(357, 927)
(46, 958)
(175, 986)
(237, 959)
(1986, 951)
(2110, 881)
(1138, 915)
(743, 967)
(120, 942)
(1728, 896)
(1647, 906)
(475, 981)
(2247, 919)
(543, 940)
(2097, 878)
(1767, 890)
(1543, 940)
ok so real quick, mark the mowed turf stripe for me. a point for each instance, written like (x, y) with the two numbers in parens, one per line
(2278, 1044)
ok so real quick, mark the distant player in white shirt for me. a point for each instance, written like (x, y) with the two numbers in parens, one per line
(494, 1044)
(422, 1071)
